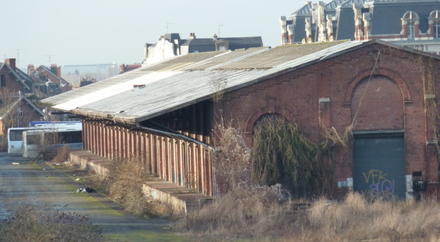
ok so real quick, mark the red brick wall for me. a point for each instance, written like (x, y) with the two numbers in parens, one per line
(394, 100)
(369, 111)
(15, 119)
(11, 84)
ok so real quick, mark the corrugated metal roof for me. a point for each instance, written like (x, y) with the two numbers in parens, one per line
(183, 61)
(166, 91)
(278, 55)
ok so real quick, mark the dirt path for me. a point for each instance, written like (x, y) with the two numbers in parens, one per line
(28, 183)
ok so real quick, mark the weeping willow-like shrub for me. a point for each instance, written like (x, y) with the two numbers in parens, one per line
(281, 154)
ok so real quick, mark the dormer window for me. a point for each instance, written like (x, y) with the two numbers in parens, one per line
(434, 24)
(410, 22)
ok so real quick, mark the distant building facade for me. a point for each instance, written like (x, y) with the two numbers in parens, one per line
(47, 81)
(412, 23)
(171, 45)
(17, 99)
(77, 74)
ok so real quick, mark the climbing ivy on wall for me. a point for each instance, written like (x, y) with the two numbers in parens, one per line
(281, 154)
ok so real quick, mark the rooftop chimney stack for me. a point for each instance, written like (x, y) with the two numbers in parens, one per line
(192, 35)
(30, 69)
(10, 62)
(122, 68)
(55, 70)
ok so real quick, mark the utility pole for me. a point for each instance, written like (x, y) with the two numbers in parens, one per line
(49, 59)
(167, 25)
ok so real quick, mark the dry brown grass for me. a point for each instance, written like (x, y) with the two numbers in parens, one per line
(258, 215)
(231, 160)
(357, 219)
(32, 224)
(125, 187)
(61, 155)
(242, 212)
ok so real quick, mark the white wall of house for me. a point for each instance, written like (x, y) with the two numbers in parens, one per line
(163, 50)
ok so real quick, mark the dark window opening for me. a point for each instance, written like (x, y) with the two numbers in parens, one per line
(70, 137)
(33, 139)
(16, 135)
(2, 81)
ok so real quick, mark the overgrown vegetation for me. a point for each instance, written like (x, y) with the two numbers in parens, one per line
(33, 224)
(281, 154)
(61, 155)
(231, 159)
(253, 214)
(125, 187)
(262, 212)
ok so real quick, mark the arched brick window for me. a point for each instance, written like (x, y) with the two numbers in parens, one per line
(410, 23)
(377, 104)
(266, 116)
(434, 24)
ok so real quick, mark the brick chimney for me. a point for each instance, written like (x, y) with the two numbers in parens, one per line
(30, 69)
(192, 35)
(122, 69)
(10, 62)
(55, 70)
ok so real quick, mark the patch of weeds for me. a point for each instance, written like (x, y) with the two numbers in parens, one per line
(30, 223)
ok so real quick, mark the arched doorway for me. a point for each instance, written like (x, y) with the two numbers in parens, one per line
(378, 128)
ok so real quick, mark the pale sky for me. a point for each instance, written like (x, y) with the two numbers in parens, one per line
(105, 31)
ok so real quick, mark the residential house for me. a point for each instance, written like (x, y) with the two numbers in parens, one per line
(47, 82)
(16, 109)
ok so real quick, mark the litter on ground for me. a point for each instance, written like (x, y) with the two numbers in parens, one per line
(85, 189)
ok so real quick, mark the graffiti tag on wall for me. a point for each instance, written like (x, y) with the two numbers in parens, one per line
(378, 181)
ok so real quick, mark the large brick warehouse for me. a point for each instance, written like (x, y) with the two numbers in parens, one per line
(382, 95)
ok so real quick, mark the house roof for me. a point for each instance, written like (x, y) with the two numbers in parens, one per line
(50, 73)
(305, 10)
(334, 4)
(390, 12)
(209, 44)
(20, 98)
(22, 77)
(154, 90)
